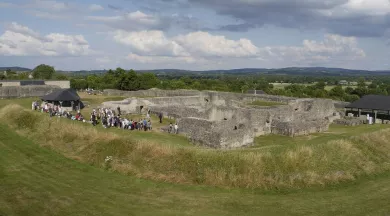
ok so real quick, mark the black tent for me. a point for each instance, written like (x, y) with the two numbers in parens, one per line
(64, 97)
(372, 102)
(377, 106)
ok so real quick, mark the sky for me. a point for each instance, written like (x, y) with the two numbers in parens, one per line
(195, 34)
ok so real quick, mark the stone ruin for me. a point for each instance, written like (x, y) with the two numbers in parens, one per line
(224, 120)
(26, 91)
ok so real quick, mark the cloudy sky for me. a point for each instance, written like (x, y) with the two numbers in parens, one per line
(195, 34)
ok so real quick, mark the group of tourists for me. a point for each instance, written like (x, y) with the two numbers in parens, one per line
(109, 118)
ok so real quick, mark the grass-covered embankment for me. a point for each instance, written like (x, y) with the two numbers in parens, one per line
(36, 181)
(298, 166)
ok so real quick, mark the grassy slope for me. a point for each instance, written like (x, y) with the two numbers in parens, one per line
(293, 166)
(37, 181)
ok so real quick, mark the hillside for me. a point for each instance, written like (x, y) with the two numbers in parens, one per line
(17, 69)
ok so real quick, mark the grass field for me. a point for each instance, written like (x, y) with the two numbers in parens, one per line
(51, 166)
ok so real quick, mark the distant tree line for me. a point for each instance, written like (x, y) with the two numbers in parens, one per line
(299, 86)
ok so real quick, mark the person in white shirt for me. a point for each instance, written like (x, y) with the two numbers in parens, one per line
(176, 128)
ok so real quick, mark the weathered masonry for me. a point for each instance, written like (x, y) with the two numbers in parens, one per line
(64, 84)
(30, 88)
(225, 120)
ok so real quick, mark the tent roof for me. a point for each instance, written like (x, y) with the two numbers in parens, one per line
(62, 95)
(374, 102)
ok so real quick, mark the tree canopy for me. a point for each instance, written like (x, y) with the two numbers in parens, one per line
(43, 72)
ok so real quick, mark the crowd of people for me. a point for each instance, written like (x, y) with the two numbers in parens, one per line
(108, 118)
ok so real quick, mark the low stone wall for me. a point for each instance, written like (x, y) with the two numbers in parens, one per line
(60, 83)
(26, 91)
(299, 128)
(349, 121)
(151, 93)
(210, 95)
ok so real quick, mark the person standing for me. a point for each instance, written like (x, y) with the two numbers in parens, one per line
(176, 128)
(93, 118)
(160, 117)
(119, 110)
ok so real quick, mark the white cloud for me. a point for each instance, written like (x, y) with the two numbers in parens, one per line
(205, 44)
(134, 21)
(152, 43)
(95, 7)
(149, 46)
(369, 7)
(19, 40)
(197, 44)
(333, 48)
(161, 59)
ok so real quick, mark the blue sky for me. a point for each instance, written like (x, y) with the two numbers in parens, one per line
(195, 34)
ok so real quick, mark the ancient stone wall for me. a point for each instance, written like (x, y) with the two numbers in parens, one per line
(151, 93)
(26, 91)
(221, 120)
(9, 83)
(199, 131)
(60, 83)
(218, 98)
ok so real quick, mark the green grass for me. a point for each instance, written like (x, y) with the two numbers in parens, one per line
(265, 103)
(335, 132)
(38, 181)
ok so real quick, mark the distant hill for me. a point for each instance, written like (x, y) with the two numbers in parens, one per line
(306, 71)
(14, 69)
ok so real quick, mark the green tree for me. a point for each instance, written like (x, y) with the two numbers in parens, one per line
(148, 81)
(23, 75)
(361, 83)
(43, 72)
(60, 76)
(320, 85)
(128, 81)
(337, 92)
(78, 83)
(244, 89)
(349, 90)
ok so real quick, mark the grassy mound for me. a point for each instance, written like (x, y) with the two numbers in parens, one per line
(295, 167)
(36, 181)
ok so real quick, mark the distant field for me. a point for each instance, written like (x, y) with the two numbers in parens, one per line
(283, 85)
